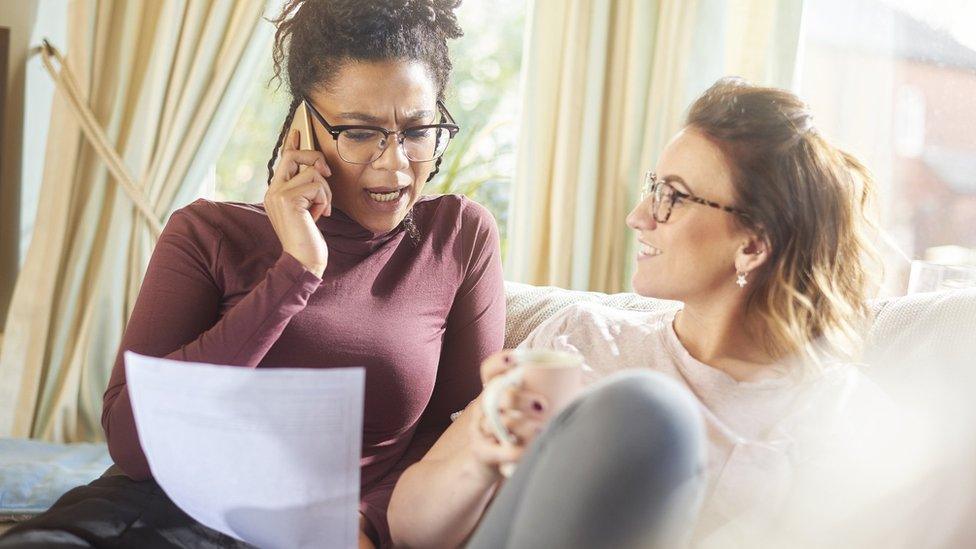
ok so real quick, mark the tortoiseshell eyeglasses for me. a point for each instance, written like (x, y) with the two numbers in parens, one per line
(665, 196)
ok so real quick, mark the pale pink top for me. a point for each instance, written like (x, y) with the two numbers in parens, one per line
(760, 433)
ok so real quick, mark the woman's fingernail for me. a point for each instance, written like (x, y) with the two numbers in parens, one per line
(537, 406)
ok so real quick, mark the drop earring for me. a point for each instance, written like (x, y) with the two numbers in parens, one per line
(740, 279)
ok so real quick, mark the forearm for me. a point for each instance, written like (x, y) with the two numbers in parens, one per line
(438, 503)
(364, 540)
(242, 336)
(245, 333)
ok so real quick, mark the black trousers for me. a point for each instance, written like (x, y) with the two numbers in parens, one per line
(115, 511)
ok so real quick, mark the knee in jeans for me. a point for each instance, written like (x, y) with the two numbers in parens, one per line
(642, 394)
(644, 404)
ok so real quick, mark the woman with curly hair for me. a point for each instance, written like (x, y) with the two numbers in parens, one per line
(345, 263)
(700, 423)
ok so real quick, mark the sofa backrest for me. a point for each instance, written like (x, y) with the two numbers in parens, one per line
(528, 306)
(925, 340)
(936, 328)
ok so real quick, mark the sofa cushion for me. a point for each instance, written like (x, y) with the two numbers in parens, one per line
(922, 351)
(34, 474)
(917, 328)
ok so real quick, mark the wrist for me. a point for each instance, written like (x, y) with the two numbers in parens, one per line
(317, 270)
(312, 267)
(367, 531)
(481, 473)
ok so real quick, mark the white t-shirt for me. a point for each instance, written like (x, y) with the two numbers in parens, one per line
(763, 436)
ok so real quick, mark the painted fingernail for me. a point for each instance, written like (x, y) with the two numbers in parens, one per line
(537, 406)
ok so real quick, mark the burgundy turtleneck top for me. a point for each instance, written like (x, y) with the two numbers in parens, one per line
(419, 312)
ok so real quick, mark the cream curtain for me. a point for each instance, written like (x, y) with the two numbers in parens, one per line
(604, 86)
(164, 79)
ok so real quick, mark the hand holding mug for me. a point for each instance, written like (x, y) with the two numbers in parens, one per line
(524, 389)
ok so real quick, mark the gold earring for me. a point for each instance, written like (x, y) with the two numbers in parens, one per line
(740, 279)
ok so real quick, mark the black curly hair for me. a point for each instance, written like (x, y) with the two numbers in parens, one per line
(315, 38)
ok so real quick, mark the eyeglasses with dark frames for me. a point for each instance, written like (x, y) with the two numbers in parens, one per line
(359, 144)
(665, 196)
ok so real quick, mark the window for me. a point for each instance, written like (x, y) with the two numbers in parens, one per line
(241, 171)
(484, 101)
(892, 81)
(482, 97)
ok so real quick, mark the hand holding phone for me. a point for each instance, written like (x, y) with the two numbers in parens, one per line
(297, 195)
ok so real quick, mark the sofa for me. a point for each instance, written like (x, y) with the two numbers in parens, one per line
(922, 342)
(921, 351)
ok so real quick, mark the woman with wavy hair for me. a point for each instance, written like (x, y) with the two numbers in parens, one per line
(697, 420)
(345, 263)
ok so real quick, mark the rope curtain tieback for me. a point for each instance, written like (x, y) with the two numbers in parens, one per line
(68, 86)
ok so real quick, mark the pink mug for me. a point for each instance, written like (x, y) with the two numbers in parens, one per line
(556, 375)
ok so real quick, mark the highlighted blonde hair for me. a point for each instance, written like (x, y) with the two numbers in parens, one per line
(811, 202)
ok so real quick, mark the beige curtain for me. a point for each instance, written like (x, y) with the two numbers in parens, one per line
(604, 86)
(163, 80)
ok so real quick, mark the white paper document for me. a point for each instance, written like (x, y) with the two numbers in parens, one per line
(268, 456)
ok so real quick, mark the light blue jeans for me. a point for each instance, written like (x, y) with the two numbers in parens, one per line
(621, 467)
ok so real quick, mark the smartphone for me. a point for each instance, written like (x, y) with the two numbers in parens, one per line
(303, 123)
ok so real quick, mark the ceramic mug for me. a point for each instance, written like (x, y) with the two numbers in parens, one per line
(556, 375)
